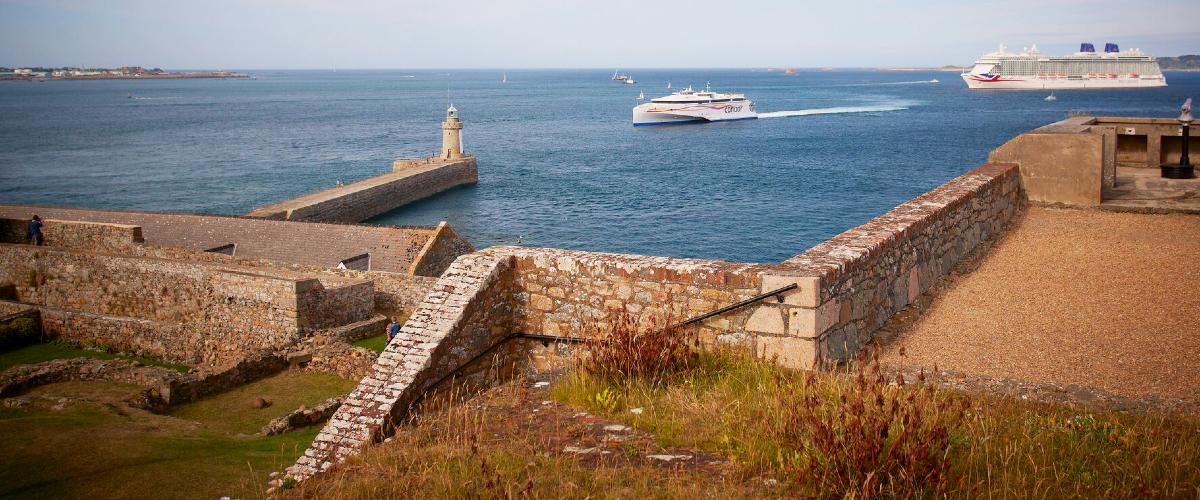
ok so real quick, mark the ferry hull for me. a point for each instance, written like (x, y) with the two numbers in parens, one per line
(1009, 83)
(666, 114)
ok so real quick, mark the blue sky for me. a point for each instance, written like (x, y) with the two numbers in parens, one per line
(512, 34)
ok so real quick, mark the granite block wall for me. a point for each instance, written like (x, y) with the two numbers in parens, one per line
(392, 248)
(94, 236)
(468, 310)
(853, 283)
(443, 247)
(184, 311)
(559, 291)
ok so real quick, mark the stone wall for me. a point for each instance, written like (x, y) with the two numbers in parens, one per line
(468, 310)
(19, 325)
(442, 248)
(851, 284)
(226, 310)
(392, 248)
(95, 236)
(559, 291)
(365, 199)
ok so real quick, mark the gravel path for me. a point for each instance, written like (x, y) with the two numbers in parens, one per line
(1099, 299)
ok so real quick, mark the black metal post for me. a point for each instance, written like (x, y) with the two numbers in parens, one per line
(1185, 160)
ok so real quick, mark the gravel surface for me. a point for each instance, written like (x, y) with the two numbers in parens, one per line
(1073, 297)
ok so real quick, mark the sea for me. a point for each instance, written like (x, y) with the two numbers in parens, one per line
(560, 164)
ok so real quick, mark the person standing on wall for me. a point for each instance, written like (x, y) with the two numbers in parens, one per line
(393, 329)
(35, 231)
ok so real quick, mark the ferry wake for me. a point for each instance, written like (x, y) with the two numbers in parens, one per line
(689, 105)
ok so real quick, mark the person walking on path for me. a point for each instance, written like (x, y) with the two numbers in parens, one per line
(393, 329)
(35, 230)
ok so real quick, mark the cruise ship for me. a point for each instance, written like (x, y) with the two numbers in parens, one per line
(689, 105)
(1086, 69)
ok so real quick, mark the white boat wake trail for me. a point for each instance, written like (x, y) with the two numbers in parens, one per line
(834, 111)
(917, 82)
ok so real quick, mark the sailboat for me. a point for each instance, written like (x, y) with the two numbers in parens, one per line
(1051, 97)
(641, 96)
(668, 85)
(629, 80)
(504, 78)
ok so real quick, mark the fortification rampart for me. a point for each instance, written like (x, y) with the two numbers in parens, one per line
(851, 284)
(847, 287)
(368, 198)
(183, 311)
(387, 248)
(98, 236)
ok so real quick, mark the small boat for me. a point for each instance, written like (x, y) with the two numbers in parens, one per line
(617, 77)
(641, 96)
(668, 85)
(504, 78)
(1051, 97)
(629, 80)
(935, 80)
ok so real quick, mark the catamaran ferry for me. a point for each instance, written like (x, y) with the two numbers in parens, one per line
(1086, 69)
(688, 105)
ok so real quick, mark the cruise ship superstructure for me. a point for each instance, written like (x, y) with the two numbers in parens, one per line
(689, 105)
(1086, 69)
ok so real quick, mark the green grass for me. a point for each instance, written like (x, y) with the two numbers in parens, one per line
(39, 353)
(738, 407)
(231, 413)
(376, 343)
(747, 410)
(96, 447)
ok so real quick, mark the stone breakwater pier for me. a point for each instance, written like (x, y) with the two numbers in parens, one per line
(409, 181)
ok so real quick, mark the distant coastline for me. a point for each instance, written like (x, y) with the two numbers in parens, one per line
(122, 73)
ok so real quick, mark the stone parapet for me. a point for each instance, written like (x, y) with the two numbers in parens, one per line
(94, 236)
(851, 284)
(468, 310)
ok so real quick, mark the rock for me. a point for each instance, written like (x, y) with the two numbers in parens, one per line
(260, 403)
(541, 384)
(669, 458)
(616, 428)
(635, 411)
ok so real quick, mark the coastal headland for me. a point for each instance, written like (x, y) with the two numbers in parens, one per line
(122, 73)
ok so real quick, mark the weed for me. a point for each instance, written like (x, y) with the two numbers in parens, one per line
(624, 347)
(871, 437)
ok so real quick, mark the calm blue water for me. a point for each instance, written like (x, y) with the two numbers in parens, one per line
(559, 163)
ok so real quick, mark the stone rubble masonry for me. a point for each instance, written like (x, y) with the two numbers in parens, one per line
(439, 251)
(19, 325)
(182, 311)
(97, 236)
(851, 284)
(392, 248)
(468, 310)
(559, 292)
(165, 387)
(302, 417)
(368, 198)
